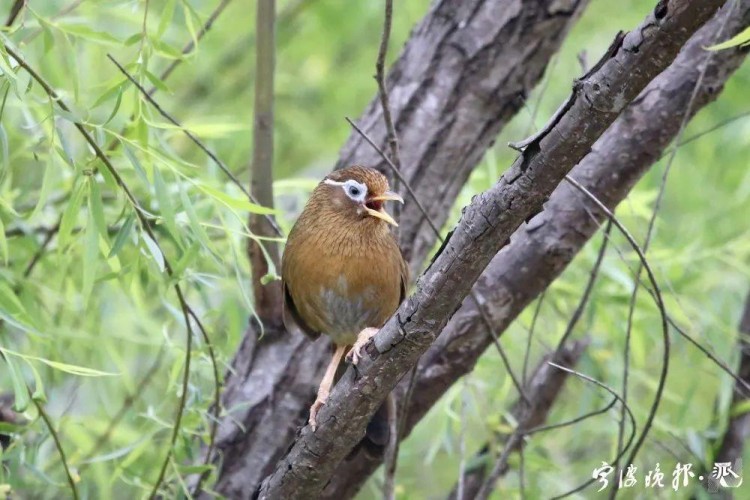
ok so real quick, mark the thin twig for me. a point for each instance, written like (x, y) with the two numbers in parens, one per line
(517, 436)
(191, 44)
(391, 137)
(660, 306)
(126, 405)
(58, 444)
(195, 140)
(145, 225)
(115, 143)
(482, 313)
(14, 11)
(647, 241)
(623, 403)
(589, 287)
(741, 384)
(530, 336)
(264, 257)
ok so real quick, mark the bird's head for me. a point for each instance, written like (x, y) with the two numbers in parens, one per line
(357, 192)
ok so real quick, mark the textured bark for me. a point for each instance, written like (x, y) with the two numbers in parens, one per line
(467, 69)
(464, 72)
(738, 427)
(540, 250)
(485, 226)
(542, 390)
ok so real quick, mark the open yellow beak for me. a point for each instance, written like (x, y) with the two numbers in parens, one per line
(382, 214)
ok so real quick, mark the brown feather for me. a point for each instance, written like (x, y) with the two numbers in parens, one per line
(342, 269)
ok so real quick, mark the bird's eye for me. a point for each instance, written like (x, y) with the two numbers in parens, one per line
(354, 191)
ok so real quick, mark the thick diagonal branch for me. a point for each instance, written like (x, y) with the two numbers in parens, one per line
(541, 249)
(462, 75)
(486, 225)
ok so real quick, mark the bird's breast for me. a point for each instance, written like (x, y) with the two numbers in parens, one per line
(347, 311)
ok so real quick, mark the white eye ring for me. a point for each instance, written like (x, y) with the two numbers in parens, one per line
(356, 191)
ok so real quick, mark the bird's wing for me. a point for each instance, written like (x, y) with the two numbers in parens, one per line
(292, 319)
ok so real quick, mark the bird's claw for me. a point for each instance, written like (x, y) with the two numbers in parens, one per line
(314, 409)
(355, 354)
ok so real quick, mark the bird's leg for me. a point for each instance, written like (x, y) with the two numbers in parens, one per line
(362, 339)
(325, 385)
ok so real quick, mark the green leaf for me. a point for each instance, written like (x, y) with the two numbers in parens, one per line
(166, 17)
(165, 50)
(122, 236)
(86, 32)
(194, 221)
(187, 258)
(4, 146)
(154, 250)
(156, 82)
(3, 243)
(109, 94)
(130, 154)
(19, 386)
(238, 203)
(70, 215)
(81, 371)
(38, 394)
(165, 206)
(89, 260)
(96, 207)
(740, 408)
(46, 188)
(742, 38)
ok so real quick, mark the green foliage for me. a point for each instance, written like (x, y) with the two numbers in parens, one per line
(741, 39)
(89, 319)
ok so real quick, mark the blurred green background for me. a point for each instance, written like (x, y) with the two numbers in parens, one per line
(96, 315)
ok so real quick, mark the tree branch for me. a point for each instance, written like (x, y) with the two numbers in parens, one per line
(540, 250)
(273, 379)
(267, 295)
(543, 388)
(486, 225)
(738, 427)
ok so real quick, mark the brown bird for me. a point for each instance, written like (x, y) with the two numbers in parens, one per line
(342, 270)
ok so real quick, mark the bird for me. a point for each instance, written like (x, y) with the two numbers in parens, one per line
(342, 271)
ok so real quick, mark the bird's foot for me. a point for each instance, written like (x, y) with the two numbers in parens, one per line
(355, 354)
(314, 409)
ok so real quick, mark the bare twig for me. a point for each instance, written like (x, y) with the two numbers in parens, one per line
(268, 297)
(15, 9)
(544, 387)
(623, 403)
(530, 337)
(191, 44)
(647, 241)
(144, 223)
(58, 444)
(659, 304)
(115, 143)
(193, 138)
(126, 405)
(485, 319)
(589, 287)
(391, 137)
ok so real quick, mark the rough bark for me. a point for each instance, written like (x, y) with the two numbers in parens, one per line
(738, 427)
(486, 225)
(542, 390)
(466, 70)
(540, 250)
(273, 379)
